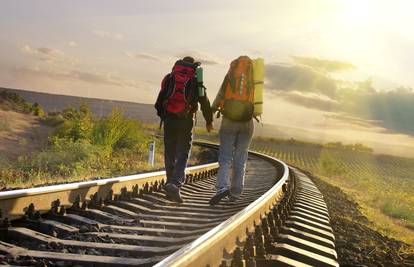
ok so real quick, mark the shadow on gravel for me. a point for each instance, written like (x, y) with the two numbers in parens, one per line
(356, 243)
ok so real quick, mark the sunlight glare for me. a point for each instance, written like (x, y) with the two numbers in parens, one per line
(361, 13)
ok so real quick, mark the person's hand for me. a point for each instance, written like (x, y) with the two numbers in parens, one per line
(209, 127)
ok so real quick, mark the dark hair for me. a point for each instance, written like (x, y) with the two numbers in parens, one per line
(188, 59)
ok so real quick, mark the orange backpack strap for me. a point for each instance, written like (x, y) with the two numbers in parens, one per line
(230, 75)
(223, 89)
(240, 77)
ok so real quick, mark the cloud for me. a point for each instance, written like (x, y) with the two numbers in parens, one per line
(285, 77)
(72, 44)
(109, 35)
(204, 58)
(344, 119)
(97, 78)
(394, 109)
(47, 54)
(305, 86)
(323, 65)
(50, 52)
(309, 100)
(28, 50)
(208, 62)
(145, 56)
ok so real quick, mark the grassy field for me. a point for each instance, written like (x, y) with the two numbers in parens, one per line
(383, 185)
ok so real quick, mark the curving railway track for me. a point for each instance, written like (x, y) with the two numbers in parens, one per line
(280, 220)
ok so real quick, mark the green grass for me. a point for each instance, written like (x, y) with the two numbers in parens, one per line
(383, 185)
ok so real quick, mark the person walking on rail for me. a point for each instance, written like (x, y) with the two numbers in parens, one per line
(176, 105)
(237, 102)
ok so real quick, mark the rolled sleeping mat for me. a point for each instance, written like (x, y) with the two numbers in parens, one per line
(258, 78)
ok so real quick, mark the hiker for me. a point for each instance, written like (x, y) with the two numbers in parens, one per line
(177, 104)
(235, 101)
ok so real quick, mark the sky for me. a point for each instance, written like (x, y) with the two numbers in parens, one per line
(122, 49)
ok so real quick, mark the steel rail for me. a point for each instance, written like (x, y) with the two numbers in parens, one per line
(208, 249)
(13, 203)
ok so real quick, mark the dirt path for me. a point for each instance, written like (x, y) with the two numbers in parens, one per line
(21, 134)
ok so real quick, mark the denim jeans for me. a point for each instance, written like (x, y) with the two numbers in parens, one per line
(235, 138)
(178, 136)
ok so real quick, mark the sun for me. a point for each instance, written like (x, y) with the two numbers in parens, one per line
(360, 12)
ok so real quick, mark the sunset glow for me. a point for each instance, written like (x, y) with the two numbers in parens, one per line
(121, 51)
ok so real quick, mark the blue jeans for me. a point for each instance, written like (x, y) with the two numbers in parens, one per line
(235, 139)
(178, 135)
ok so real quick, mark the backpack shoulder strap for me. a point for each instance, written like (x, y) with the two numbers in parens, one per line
(249, 81)
(169, 83)
(231, 79)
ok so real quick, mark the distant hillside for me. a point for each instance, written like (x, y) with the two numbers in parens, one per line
(100, 107)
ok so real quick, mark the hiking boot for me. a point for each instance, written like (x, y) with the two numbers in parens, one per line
(219, 196)
(173, 193)
(233, 198)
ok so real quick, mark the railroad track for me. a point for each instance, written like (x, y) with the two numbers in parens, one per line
(281, 219)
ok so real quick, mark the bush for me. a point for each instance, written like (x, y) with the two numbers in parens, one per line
(63, 158)
(12, 97)
(53, 119)
(352, 147)
(111, 133)
(77, 124)
(17, 103)
(37, 110)
(116, 132)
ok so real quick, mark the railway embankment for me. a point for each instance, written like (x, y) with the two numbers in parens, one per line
(357, 243)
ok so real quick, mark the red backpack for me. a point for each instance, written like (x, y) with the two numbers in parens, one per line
(178, 91)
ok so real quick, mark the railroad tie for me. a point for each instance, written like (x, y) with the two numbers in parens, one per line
(306, 239)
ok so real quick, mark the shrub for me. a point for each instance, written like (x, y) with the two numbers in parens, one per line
(17, 103)
(117, 132)
(353, 147)
(77, 124)
(11, 97)
(63, 158)
(111, 133)
(53, 119)
(37, 110)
